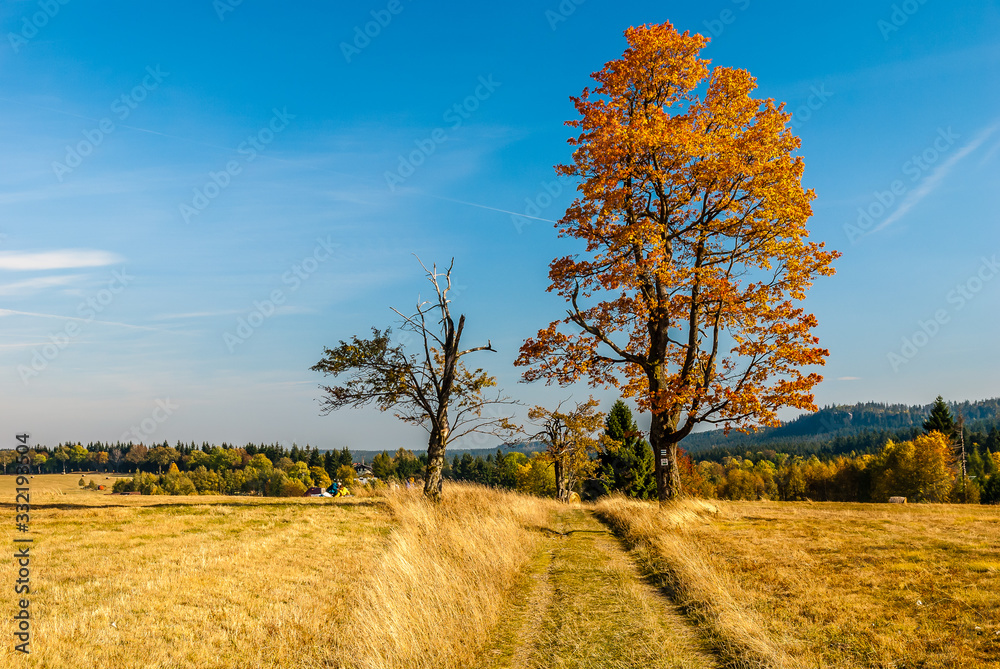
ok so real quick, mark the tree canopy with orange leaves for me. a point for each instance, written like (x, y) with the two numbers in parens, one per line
(692, 208)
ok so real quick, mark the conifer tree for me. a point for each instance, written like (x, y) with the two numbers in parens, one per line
(382, 466)
(976, 465)
(940, 419)
(331, 461)
(626, 460)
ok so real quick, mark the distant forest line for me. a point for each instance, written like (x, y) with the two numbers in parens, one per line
(860, 429)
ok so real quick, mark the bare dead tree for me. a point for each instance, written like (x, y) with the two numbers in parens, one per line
(431, 387)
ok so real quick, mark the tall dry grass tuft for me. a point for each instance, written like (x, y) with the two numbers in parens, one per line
(449, 570)
(657, 535)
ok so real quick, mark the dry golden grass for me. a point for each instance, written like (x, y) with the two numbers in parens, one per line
(44, 487)
(583, 604)
(829, 585)
(193, 582)
(249, 582)
(394, 582)
(447, 576)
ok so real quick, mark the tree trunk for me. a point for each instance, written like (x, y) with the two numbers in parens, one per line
(668, 476)
(433, 480)
(561, 494)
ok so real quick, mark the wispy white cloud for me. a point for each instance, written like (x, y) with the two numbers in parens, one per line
(29, 344)
(849, 378)
(289, 310)
(931, 183)
(989, 154)
(483, 206)
(196, 314)
(936, 64)
(62, 259)
(38, 283)
(32, 314)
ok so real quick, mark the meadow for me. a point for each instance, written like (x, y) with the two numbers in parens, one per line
(801, 584)
(495, 579)
(206, 581)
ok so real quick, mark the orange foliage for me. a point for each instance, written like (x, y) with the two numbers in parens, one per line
(693, 214)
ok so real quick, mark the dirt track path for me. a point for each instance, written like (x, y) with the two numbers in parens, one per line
(586, 605)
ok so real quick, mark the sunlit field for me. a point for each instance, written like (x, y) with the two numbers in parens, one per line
(265, 582)
(44, 487)
(830, 585)
(161, 582)
(391, 581)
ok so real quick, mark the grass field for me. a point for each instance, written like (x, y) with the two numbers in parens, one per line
(497, 580)
(202, 581)
(46, 486)
(134, 581)
(830, 585)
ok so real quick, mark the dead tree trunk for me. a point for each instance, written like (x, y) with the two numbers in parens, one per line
(433, 481)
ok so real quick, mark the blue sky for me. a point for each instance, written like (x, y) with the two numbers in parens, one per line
(168, 169)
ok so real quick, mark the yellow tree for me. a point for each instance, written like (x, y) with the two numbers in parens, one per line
(693, 215)
(934, 460)
(569, 441)
(919, 469)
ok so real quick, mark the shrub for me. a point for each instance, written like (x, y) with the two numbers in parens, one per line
(206, 482)
(124, 485)
(146, 483)
(293, 488)
(178, 484)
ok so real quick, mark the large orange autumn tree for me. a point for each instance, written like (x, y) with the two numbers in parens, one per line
(694, 216)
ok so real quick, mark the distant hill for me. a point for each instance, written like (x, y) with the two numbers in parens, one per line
(842, 429)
